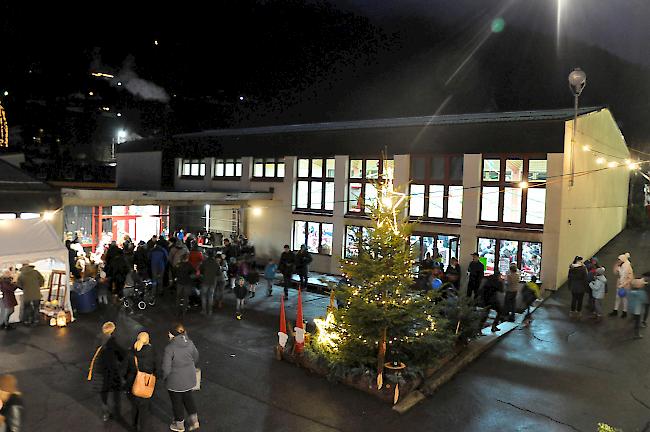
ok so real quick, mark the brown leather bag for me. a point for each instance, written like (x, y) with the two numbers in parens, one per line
(144, 383)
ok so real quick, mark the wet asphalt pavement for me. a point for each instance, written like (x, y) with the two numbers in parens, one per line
(555, 375)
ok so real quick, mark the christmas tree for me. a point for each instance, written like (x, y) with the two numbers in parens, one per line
(381, 316)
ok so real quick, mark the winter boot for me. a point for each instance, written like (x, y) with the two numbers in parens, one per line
(177, 426)
(194, 422)
(637, 329)
(613, 313)
(624, 314)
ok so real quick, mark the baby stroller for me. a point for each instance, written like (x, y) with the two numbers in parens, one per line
(139, 295)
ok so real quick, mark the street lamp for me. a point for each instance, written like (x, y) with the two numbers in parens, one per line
(120, 137)
(577, 83)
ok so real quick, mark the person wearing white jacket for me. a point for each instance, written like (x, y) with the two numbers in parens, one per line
(625, 273)
(598, 287)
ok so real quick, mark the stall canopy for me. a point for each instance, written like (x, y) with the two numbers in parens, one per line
(32, 240)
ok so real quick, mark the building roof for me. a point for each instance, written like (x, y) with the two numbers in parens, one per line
(521, 131)
(20, 192)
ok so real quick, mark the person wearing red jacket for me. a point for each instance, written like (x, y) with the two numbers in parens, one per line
(8, 301)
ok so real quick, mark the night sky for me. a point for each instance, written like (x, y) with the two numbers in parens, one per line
(180, 69)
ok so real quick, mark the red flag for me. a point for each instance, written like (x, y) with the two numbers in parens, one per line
(300, 328)
(283, 319)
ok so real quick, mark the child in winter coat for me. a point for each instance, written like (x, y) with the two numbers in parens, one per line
(269, 274)
(598, 287)
(241, 290)
(253, 278)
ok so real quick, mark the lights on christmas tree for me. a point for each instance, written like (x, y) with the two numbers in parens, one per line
(326, 334)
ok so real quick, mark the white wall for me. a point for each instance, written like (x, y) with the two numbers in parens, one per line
(594, 210)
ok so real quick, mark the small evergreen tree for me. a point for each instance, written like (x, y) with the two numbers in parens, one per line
(381, 313)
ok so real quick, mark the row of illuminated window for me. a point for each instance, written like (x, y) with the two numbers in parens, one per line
(315, 184)
(436, 201)
(513, 205)
(316, 236)
(514, 170)
(262, 168)
(499, 254)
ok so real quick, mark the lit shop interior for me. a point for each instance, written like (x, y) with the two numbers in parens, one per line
(95, 227)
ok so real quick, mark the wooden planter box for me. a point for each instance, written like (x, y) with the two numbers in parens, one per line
(369, 384)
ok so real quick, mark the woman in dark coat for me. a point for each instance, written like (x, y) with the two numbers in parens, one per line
(577, 285)
(146, 362)
(11, 405)
(105, 372)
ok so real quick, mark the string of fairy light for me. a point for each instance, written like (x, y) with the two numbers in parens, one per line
(4, 128)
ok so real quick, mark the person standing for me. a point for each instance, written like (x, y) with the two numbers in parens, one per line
(196, 257)
(30, 281)
(241, 291)
(143, 359)
(158, 257)
(513, 283)
(185, 277)
(209, 270)
(229, 250)
(287, 267)
(269, 274)
(141, 259)
(577, 280)
(303, 259)
(491, 287)
(104, 372)
(8, 301)
(72, 260)
(175, 254)
(598, 287)
(179, 373)
(11, 405)
(475, 273)
(222, 277)
(453, 273)
(638, 301)
(622, 268)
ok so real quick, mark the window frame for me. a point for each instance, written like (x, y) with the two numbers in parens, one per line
(358, 243)
(265, 161)
(497, 253)
(364, 180)
(306, 234)
(310, 179)
(191, 161)
(428, 181)
(502, 184)
(235, 162)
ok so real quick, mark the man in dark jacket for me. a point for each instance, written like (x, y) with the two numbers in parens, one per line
(475, 273)
(141, 259)
(492, 285)
(209, 270)
(229, 250)
(72, 260)
(303, 259)
(453, 273)
(287, 267)
(185, 277)
(157, 263)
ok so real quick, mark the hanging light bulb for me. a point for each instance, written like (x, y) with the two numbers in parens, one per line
(600, 161)
(612, 164)
(586, 147)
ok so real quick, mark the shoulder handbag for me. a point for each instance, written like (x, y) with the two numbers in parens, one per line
(144, 383)
(92, 363)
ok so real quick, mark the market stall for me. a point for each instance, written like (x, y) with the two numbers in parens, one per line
(35, 241)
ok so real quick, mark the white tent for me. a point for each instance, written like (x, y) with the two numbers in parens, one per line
(32, 240)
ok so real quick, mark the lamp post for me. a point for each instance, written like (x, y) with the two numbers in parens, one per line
(577, 83)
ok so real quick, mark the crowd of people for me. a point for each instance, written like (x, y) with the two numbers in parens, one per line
(192, 267)
(113, 371)
(631, 293)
